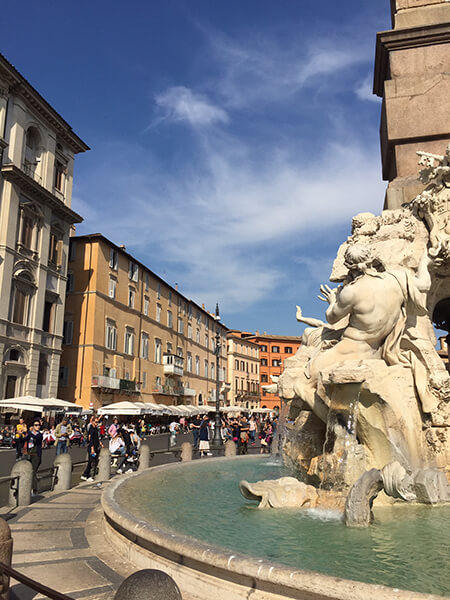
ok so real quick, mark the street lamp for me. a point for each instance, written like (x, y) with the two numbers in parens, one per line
(217, 441)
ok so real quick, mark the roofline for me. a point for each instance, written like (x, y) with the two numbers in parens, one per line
(100, 236)
(19, 83)
(266, 336)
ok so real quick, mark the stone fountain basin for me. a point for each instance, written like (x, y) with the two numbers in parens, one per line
(203, 571)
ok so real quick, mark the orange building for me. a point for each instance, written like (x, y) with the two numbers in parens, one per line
(273, 350)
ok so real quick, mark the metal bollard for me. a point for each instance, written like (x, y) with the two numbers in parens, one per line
(24, 471)
(150, 584)
(186, 452)
(230, 448)
(64, 472)
(104, 465)
(6, 548)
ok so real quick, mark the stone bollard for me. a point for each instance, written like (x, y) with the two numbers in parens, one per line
(24, 471)
(6, 547)
(230, 448)
(64, 472)
(150, 584)
(186, 452)
(104, 465)
(144, 457)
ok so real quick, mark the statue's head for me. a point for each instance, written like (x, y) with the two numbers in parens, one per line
(358, 256)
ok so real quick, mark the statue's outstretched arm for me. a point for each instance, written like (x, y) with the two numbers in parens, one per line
(308, 320)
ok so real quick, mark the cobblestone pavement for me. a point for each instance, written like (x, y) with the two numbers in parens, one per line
(59, 542)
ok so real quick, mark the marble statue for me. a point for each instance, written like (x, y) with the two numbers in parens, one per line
(367, 388)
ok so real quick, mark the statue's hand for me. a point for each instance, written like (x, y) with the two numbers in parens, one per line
(329, 295)
(298, 314)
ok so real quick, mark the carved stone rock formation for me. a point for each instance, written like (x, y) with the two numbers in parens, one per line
(367, 387)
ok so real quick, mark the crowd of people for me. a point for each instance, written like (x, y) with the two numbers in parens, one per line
(123, 439)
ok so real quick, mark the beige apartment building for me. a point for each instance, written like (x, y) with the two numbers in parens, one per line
(37, 149)
(243, 371)
(128, 335)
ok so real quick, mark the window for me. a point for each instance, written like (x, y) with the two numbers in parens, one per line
(169, 301)
(22, 290)
(169, 347)
(236, 365)
(276, 349)
(70, 282)
(189, 362)
(287, 350)
(63, 376)
(111, 335)
(206, 323)
(157, 350)
(264, 379)
(197, 365)
(189, 311)
(47, 323)
(144, 379)
(242, 365)
(131, 296)
(146, 303)
(263, 348)
(158, 313)
(236, 384)
(129, 341)
(264, 362)
(32, 156)
(68, 331)
(144, 345)
(55, 250)
(206, 340)
(206, 369)
(180, 325)
(112, 287)
(133, 271)
(179, 351)
(72, 250)
(197, 336)
(158, 291)
(212, 371)
(169, 319)
(42, 369)
(59, 179)
(113, 259)
(198, 317)
(276, 363)
(190, 331)
(147, 282)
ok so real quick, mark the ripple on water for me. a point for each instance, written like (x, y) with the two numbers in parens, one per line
(407, 547)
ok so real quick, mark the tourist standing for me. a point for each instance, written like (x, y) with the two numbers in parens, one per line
(20, 437)
(93, 447)
(113, 428)
(204, 437)
(34, 450)
(173, 430)
(243, 435)
(63, 432)
(196, 423)
(252, 430)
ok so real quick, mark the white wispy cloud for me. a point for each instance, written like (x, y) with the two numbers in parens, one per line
(180, 103)
(364, 90)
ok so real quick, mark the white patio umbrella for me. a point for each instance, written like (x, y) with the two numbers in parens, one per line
(122, 408)
(152, 409)
(165, 410)
(39, 404)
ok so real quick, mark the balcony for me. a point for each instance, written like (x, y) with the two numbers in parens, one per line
(167, 390)
(173, 365)
(127, 385)
(101, 381)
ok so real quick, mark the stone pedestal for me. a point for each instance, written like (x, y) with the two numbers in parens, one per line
(6, 548)
(148, 584)
(144, 457)
(186, 452)
(24, 471)
(64, 472)
(412, 77)
(104, 465)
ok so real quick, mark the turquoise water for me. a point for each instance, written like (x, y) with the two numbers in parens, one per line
(407, 546)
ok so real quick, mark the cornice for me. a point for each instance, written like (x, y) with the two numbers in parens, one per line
(31, 187)
(402, 39)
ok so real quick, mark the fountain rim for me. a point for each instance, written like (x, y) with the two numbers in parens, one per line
(202, 556)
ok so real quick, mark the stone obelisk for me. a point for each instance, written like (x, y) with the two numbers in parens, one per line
(412, 75)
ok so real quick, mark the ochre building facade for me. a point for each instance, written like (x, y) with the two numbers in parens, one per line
(243, 371)
(128, 335)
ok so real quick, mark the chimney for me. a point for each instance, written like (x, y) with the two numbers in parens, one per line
(123, 247)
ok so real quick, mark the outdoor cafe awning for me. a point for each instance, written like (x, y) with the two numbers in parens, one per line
(41, 405)
(123, 408)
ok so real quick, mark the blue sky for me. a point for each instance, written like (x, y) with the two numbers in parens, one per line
(231, 141)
